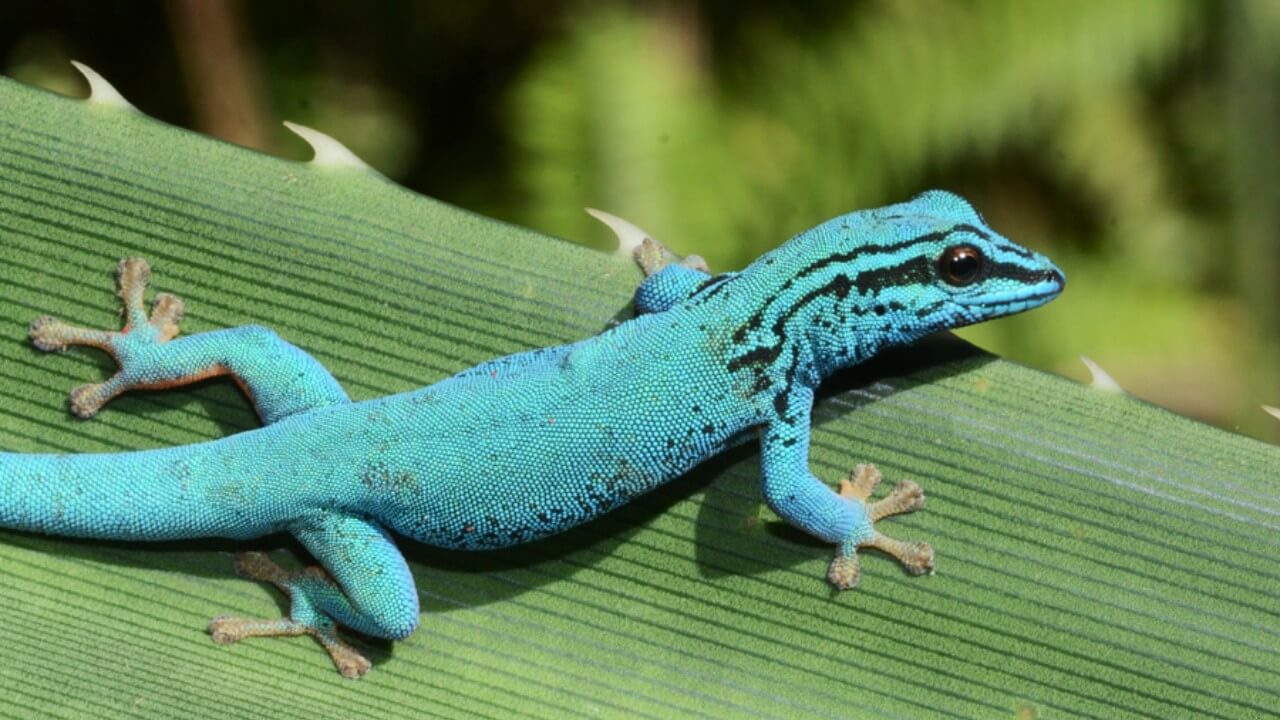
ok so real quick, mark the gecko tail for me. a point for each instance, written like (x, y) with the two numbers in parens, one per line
(116, 496)
(51, 494)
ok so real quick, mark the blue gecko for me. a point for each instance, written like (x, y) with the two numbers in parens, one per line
(525, 446)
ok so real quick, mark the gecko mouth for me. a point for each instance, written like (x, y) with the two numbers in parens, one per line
(1024, 298)
(1009, 307)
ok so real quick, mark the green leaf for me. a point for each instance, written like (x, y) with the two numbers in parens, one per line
(1096, 556)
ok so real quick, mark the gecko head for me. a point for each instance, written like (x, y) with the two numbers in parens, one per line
(979, 274)
(942, 267)
(888, 276)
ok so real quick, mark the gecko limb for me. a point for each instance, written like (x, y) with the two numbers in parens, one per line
(257, 566)
(364, 584)
(669, 280)
(845, 519)
(279, 378)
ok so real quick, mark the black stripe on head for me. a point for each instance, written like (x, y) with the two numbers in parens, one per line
(858, 252)
(1003, 247)
(1015, 250)
(965, 227)
(757, 318)
(918, 270)
(1016, 272)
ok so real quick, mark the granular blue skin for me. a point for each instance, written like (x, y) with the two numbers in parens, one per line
(528, 445)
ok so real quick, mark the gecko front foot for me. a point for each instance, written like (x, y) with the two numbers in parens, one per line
(906, 496)
(139, 333)
(304, 618)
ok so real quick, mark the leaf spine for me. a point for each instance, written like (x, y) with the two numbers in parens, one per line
(630, 237)
(100, 91)
(329, 153)
(1099, 379)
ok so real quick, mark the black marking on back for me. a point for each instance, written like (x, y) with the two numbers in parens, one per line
(711, 286)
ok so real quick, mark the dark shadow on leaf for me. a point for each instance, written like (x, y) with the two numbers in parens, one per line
(218, 399)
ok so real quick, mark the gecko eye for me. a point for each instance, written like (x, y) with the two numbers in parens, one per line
(960, 265)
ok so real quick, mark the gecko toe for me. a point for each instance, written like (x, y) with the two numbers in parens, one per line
(86, 400)
(917, 558)
(166, 312)
(222, 630)
(906, 497)
(844, 571)
(350, 663)
(132, 274)
(44, 334)
(861, 482)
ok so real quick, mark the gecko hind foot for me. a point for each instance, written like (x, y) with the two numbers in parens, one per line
(226, 630)
(916, 557)
(303, 619)
(140, 331)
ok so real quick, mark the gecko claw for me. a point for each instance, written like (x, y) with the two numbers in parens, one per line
(916, 557)
(44, 334)
(166, 312)
(906, 497)
(224, 630)
(52, 335)
(86, 400)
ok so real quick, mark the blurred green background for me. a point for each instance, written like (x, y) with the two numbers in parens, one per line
(1135, 142)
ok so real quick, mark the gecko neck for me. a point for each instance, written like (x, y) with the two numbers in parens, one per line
(834, 334)
(811, 324)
